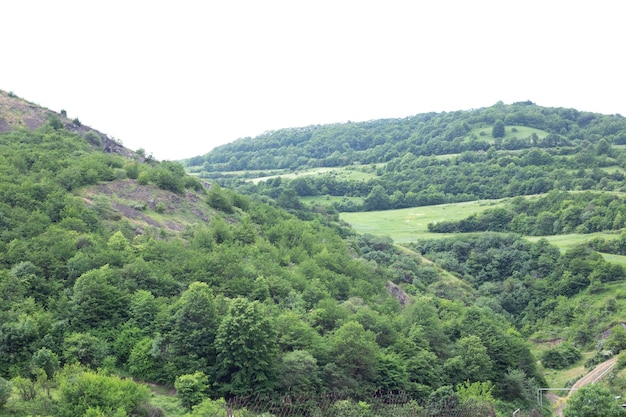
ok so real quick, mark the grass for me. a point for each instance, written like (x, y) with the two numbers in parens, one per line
(411, 224)
(610, 290)
(137, 204)
(170, 404)
(16, 407)
(613, 169)
(559, 378)
(348, 173)
(616, 259)
(521, 132)
(329, 199)
(161, 398)
(443, 157)
(565, 242)
(294, 174)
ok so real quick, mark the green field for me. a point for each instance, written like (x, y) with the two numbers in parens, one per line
(521, 132)
(613, 169)
(561, 378)
(411, 224)
(616, 259)
(349, 173)
(565, 242)
(329, 199)
(408, 225)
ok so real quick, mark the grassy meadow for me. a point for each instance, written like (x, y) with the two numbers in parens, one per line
(565, 242)
(521, 132)
(347, 173)
(329, 199)
(411, 224)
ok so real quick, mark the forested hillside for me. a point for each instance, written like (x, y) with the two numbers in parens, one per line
(433, 158)
(119, 272)
(114, 267)
(426, 134)
(550, 172)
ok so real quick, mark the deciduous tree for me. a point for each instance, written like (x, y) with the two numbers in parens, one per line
(498, 129)
(191, 388)
(192, 330)
(591, 401)
(5, 391)
(96, 302)
(246, 346)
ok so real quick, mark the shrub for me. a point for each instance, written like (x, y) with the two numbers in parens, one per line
(349, 408)
(119, 173)
(82, 391)
(169, 176)
(192, 183)
(218, 199)
(138, 205)
(191, 388)
(55, 122)
(93, 138)
(616, 342)
(143, 178)
(132, 170)
(621, 360)
(25, 387)
(5, 391)
(498, 129)
(241, 201)
(560, 356)
(209, 407)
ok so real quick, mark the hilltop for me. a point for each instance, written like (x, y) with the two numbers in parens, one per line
(509, 127)
(16, 112)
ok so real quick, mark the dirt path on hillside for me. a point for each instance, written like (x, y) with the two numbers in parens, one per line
(594, 375)
(597, 373)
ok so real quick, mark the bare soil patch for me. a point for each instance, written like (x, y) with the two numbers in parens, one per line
(148, 206)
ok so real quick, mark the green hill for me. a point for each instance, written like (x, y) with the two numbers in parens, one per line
(119, 272)
(432, 158)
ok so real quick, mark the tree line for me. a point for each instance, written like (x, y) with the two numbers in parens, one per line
(555, 213)
(420, 180)
(380, 141)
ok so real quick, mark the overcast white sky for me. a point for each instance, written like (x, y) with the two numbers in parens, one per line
(178, 78)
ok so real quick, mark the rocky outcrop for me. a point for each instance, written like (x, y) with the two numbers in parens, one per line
(398, 293)
(17, 113)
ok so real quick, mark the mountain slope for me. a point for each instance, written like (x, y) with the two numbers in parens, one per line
(16, 113)
(110, 261)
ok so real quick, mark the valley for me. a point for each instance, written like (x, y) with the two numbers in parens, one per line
(460, 261)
